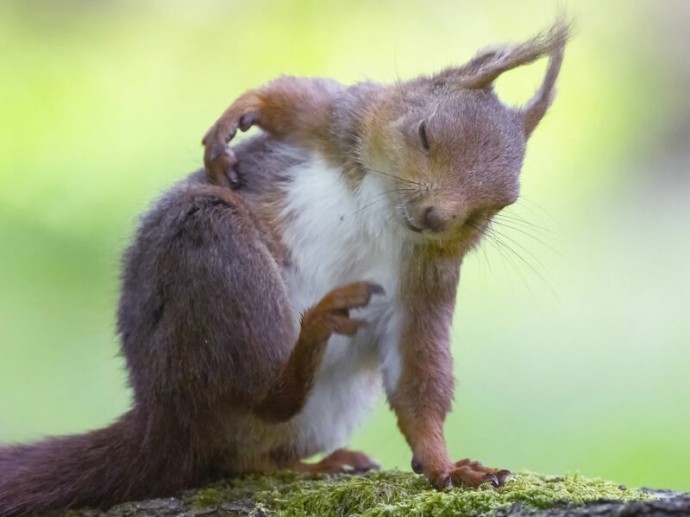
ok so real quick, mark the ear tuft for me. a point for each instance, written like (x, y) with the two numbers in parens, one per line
(481, 71)
(487, 65)
(536, 107)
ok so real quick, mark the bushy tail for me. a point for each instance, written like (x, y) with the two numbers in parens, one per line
(124, 461)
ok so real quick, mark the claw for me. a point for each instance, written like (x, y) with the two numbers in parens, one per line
(246, 121)
(231, 134)
(342, 461)
(448, 483)
(502, 476)
(234, 179)
(491, 478)
(376, 289)
(473, 474)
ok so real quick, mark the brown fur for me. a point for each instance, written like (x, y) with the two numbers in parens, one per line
(289, 392)
(215, 386)
(465, 171)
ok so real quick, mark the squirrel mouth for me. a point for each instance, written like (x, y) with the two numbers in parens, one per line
(409, 224)
(412, 227)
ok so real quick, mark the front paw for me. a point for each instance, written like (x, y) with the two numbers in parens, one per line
(220, 166)
(464, 473)
(332, 314)
(219, 159)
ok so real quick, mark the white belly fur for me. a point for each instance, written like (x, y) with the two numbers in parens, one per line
(336, 237)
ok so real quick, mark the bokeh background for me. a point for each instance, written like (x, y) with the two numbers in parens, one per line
(572, 335)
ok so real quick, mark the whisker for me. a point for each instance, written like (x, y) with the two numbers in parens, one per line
(502, 248)
(481, 244)
(383, 196)
(518, 220)
(499, 237)
(537, 209)
(394, 177)
(521, 246)
(526, 223)
(509, 255)
(482, 248)
(526, 233)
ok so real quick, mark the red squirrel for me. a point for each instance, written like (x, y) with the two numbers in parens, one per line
(269, 297)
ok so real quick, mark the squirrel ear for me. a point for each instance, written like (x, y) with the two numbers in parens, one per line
(535, 109)
(484, 68)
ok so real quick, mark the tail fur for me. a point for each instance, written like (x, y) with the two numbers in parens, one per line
(97, 469)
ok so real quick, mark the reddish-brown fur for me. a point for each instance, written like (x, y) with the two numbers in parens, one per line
(289, 392)
(206, 273)
(424, 393)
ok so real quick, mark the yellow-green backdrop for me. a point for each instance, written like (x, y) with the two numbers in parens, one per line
(571, 339)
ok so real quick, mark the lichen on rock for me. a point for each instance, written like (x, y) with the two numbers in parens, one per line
(393, 493)
(398, 493)
(386, 493)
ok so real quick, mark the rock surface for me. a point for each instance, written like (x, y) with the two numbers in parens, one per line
(397, 493)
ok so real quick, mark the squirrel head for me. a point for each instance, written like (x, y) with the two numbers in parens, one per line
(447, 149)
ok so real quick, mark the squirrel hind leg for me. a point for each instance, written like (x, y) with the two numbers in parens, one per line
(204, 316)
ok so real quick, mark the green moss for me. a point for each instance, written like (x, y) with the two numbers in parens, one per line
(208, 496)
(398, 493)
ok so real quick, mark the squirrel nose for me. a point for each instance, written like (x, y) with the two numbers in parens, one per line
(436, 220)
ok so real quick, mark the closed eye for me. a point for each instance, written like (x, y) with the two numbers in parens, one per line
(423, 136)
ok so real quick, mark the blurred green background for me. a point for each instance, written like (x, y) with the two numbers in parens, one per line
(572, 357)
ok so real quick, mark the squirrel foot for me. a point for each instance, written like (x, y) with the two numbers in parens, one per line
(466, 473)
(340, 461)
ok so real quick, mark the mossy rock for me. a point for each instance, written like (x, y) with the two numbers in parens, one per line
(397, 493)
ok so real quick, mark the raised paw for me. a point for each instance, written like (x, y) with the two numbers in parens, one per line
(341, 461)
(351, 296)
(219, 159)
(332, 313)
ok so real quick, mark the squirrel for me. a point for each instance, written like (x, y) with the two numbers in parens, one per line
(268, 298)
